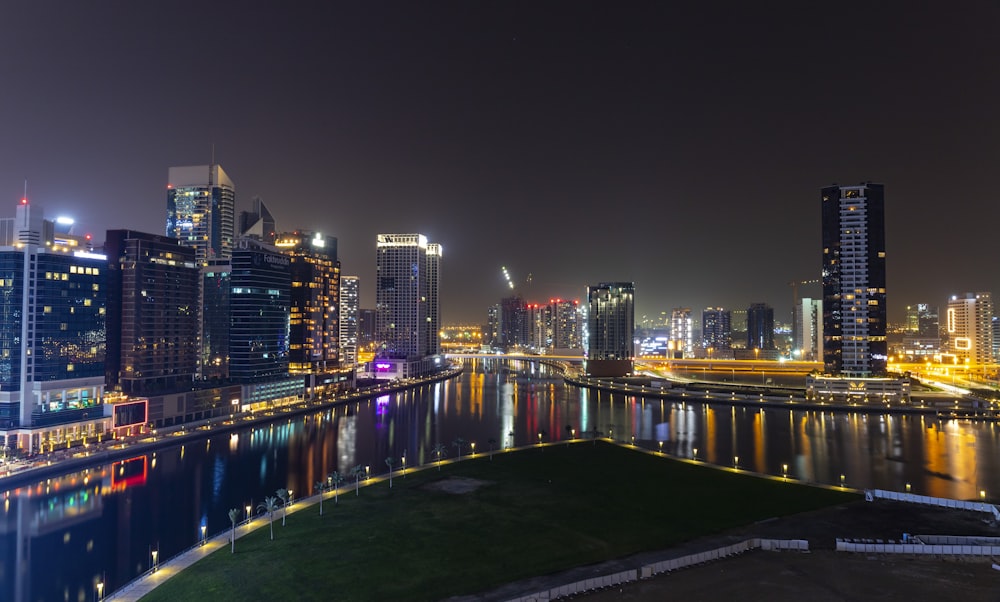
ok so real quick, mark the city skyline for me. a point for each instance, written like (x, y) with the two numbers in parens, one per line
(679, 148)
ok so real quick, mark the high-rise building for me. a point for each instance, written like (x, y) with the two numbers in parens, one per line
(259, 309)
(258, 224)
(515, 324)
(406, 297)
(432, 332)
(201, 206)
(807, 330)
(611, 325)
(52, 336)
(716, 332)
(970, 327)
(152, 313)
(314, 330)
(760, 327)
(854, 310)
(350, 298)
(681, 342)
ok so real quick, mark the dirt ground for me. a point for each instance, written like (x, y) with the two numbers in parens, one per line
(819, 575)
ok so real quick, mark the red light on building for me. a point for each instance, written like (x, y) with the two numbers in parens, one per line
(24, 201)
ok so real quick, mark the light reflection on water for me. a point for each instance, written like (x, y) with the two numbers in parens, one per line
(62, 536)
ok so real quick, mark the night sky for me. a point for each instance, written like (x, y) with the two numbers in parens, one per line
(681, 146)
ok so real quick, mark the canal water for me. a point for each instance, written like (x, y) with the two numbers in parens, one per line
(62, 536)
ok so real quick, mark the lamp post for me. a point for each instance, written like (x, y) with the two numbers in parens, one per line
(155, 554)
(473, 448)
(842, 480)
(736, 462)
(100, 590)
(695, 454)
(404, 465)
(661, 446)
(204, 539)
(248, 515)
(784, 471)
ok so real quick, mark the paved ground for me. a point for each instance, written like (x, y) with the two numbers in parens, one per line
(817, 576)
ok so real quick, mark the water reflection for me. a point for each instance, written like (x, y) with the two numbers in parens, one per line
(62, 536)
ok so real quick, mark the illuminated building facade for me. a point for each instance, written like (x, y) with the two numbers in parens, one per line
(970, 327)
(514, 326)
(52, 336)
(314, 346)
(681, 343)
(853, 275)
(610, 326)
(716, 331)
(406, 296)
(213, 335)
(260, 285)
(152, 313)
(201, 205)
(350, 298)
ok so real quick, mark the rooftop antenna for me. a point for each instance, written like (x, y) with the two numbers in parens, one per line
(25, 197)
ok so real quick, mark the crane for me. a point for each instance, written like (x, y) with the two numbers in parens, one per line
(795, 288)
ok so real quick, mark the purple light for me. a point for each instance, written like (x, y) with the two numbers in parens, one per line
(382, 367)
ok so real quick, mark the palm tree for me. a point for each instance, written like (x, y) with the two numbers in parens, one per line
(356, 472)
(269, 505)
(283, 494)
(234, 515)
(458, 442)
(320, 486)
(335, 479)
(440, 451)
(389, 462)
(492, 443)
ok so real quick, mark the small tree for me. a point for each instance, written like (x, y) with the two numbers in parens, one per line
(493, 443)
(389, 462)
(234, 515)
(283, 494)
(356, 472)
(440, 451)
(458, 442)
(269, 505)
(320, 487)
(335, 479)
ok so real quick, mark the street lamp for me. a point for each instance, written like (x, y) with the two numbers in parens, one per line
(784, 471)
(982, 494)
(661, 446)
(155, 554)
(473, 448)
(203, 538)
(736, 462)
(539, 438)
(841, 480)
(695, 454)
(368, 472)
(248, 514)
(404, 464)
(100, 590)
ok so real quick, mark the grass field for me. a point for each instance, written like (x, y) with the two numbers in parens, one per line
(541, 510)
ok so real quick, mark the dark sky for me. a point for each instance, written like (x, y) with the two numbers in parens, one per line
(681, 146)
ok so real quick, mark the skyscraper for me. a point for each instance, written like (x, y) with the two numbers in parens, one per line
(760, 327)
(314, 346)
(258, 224)
(52, 336)
(201, 205)
(152, 313)
(350, 299)
(260, 284)
(611, 325)
(716, 333)
(970, 327)
(681, 337)
(854, 311)
(807, 330)
(406, 301)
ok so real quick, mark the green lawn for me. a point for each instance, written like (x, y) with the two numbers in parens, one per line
(544, 509)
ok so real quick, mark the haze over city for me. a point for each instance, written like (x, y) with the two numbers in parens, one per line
(679, 147)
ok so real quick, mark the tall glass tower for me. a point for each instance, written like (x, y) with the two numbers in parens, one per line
(854, 311)
(406, 296)
(201, 206)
